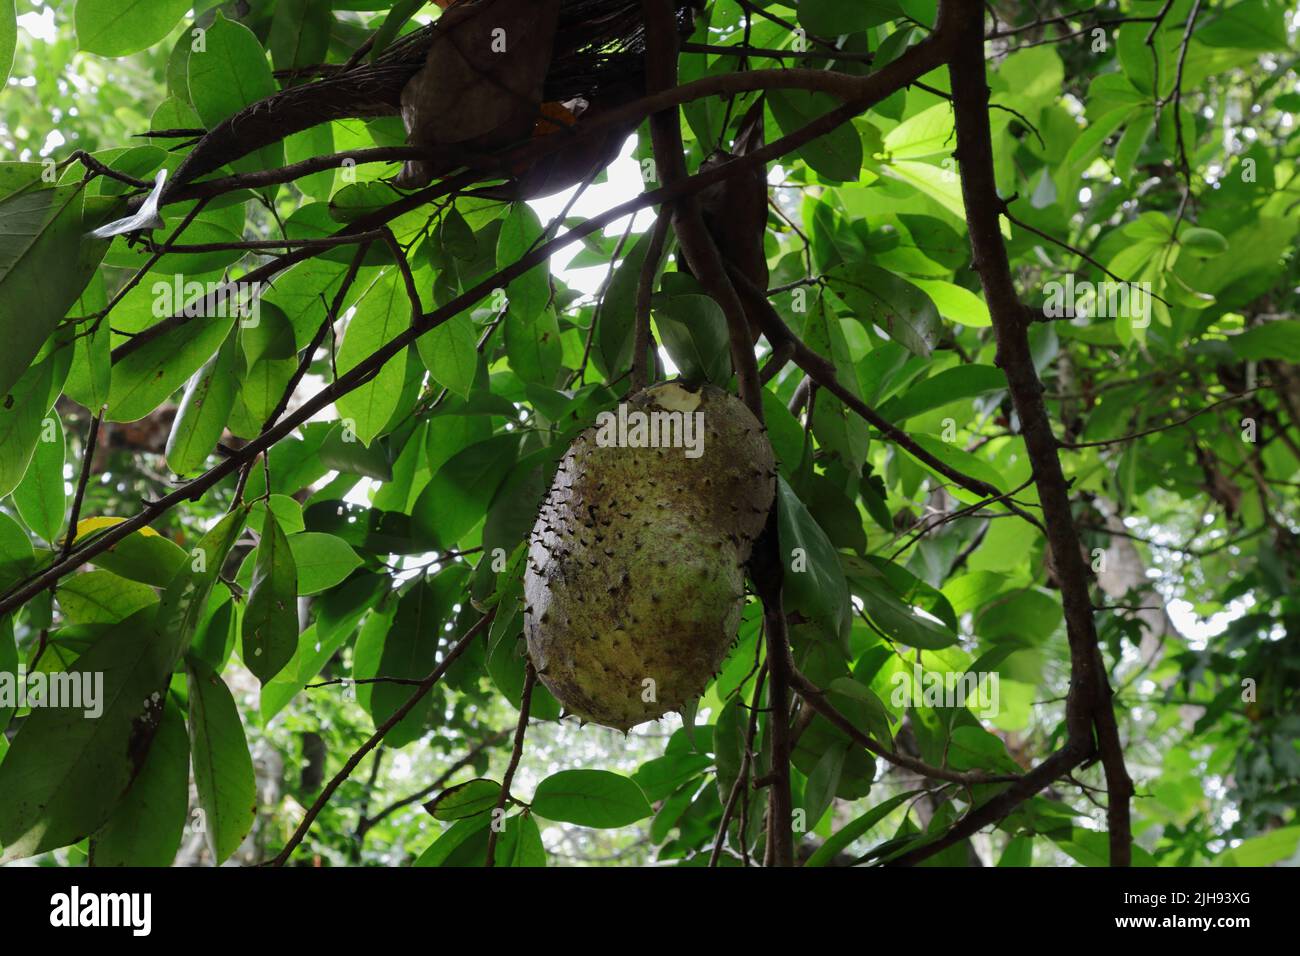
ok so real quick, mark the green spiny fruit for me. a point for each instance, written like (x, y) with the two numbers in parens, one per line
(635, 582)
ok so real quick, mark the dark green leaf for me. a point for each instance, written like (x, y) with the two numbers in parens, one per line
(590, 798)
(147, 826)
(270, 626)
(223, 769)
(40, 497)
(465, 800)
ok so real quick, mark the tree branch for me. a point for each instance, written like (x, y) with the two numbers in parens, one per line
(87, 457)
(780, 850)
(742, 777)
(1089, 699)
(369, 822)
(815, 697)
(426, 685)
(696, 242)
(516, 754)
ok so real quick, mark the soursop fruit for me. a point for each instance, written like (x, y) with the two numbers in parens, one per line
(635, 580)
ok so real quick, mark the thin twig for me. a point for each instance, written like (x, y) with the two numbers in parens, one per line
(521, 729)
(425, 686)
(87, 456)
(739, 785)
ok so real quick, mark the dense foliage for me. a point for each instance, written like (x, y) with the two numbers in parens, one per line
(276, 527)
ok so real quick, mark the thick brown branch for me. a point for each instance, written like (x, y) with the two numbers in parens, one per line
(1089, 700)
(696, 242)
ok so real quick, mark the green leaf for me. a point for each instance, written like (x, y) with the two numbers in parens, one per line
(341, 451)
(300, 33)
(729, 745)
(962, 461)
(464, 843)
(403, 649)
(270, 626)
(465, 800)
(315, 141)
(936, 182)
(1279, 339)
(861, 704)
(1092, 847)
(450, 353)
(22, 411)
(838, 842)
(186, 596)
(520, 844)
(955, 302)
(659, 777)
(520, 233)
(1019, 852)
(8, 665)
(406, 650)
(92, 364)
(45, 262)
(223, 768)
(694, 331)
(927, 133)
(40, 497)
(950, 385)
(119, 27)
(143, 555)
(880, 298)
(214, 639)
(147, 826)
(1264, 849)
(617, 313)
(836, 156)
(456, 499)
(204, 410)
(101, 597)
(287, 512)
(401, 12)
(1203, 242)
(1245, 26)
(1089, 141)
(337, 615)
(896, 620)
(590, 798)
(8, 37)
(383, 314)
(814, 579)
(533, 346)
(831, 18)
(228, 75)
(148, 376)
(64, 774)
(823, 782)
(322, 560)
